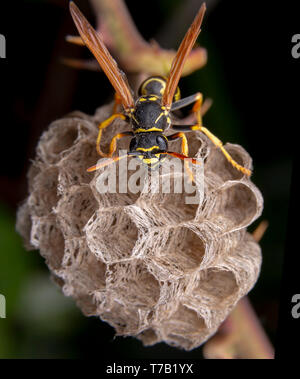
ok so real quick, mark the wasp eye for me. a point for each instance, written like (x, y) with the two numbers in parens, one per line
(162, 143)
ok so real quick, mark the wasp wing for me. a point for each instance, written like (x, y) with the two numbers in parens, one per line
(181, 56)
(94, 42)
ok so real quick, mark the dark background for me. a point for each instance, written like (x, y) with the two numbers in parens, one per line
(249, 76)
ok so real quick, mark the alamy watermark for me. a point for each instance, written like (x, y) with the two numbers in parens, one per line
(174, 177)
(296, 48)
(296, 307)
(2, 306)
(2, 46)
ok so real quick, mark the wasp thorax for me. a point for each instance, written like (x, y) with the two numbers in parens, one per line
(149, 115)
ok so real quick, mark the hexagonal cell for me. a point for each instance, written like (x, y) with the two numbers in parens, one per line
(81, 270)
(185, 329)
(218, 163)
(46, 235)
(73, 167)
(74, 210)
(58, 138)
(124, 319)
(111, 185)
(44, 196)
(168, 209)
(239, 205)
(178, 254)
(217, 284)
(167, 190)
(133, 285)
(198, 144)
(65, 140)
(247, 262)
(111, 235)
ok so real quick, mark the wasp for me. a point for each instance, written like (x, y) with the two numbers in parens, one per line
(149, 115)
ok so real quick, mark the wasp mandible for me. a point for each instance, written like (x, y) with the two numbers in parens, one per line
(150, 114)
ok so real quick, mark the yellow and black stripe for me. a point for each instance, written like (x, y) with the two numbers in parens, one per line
(156, 85)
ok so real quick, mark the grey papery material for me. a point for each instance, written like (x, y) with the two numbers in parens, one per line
(147, 263)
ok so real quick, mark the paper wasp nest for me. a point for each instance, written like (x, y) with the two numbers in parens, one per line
(149, 264)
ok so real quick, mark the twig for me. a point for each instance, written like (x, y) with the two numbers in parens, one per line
(132, 52)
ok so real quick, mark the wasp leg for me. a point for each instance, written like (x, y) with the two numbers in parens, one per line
(197, 109)
(104, 124)
(184, 151)
(112, 149)
(113, 143)
(215, 141)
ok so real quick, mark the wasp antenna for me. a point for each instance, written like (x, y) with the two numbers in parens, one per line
(76, 40)
(105, 163)
(181, 156)
(80, 64)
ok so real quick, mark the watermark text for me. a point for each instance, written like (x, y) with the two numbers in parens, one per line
(2, 46)
(173, 177)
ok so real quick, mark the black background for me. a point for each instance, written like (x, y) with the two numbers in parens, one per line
(250, 74)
